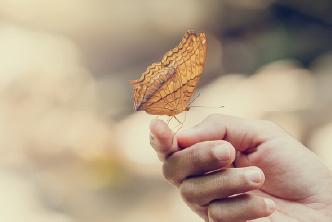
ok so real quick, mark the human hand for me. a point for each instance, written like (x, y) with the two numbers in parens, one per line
(234, 170)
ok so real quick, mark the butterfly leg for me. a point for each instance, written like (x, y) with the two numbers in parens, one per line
(179, 126)
(169, 120)
(177, 120)
(196, 97)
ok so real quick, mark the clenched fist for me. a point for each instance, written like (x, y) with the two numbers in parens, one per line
(229, 169)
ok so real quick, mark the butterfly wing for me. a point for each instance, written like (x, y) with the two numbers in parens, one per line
(165, 88)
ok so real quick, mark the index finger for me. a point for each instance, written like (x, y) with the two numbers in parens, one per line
(244, 134)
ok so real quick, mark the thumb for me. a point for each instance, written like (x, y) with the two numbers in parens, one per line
(162, 139)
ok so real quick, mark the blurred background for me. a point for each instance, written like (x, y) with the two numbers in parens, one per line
(71, 147)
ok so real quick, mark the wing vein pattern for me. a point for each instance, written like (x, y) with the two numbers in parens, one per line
(165, 88)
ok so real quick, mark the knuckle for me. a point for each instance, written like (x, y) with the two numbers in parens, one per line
(187, 191)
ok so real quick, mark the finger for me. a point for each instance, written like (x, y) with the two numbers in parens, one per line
(240, 208)
(203, 190)
(198, 159)
(162, 139)
(243, 134)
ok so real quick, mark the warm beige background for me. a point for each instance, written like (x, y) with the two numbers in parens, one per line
(72, 149)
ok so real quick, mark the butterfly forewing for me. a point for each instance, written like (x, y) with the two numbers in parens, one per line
(165, 88)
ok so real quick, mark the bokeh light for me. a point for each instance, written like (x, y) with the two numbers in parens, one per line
(73, 149)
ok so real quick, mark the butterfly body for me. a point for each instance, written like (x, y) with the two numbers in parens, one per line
(166, 88)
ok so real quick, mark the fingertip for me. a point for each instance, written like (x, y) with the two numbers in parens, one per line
(224, 151)
(254, 176)
(161, 138)
(270, 206)
(232, 151)
(159, 129)
(156, 124)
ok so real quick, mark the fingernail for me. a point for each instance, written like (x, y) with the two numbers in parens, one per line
(254, 176)
(271, 206)
(222, 152)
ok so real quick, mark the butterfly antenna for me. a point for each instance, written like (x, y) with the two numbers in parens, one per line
(197, 106)
(207, 107)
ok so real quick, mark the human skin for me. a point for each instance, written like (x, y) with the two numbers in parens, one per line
(235, 170)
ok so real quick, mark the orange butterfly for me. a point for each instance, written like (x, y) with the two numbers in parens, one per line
(166, 87)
